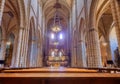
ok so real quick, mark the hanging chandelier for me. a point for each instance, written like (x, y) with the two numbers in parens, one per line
(56, 25)
(56, 28)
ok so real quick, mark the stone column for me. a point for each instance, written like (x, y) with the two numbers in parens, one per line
(93, 51)
(14, 52)
(73, 58)
(75, 61)
(20, 41)
(26, 47)
(22, 54)
(115, 7)
(76, 34)
(3, 42)
(2, 3)
(39, 56)
(27, 58)
(33, 55)
(3, 50)
(28, 51)
(80, 57)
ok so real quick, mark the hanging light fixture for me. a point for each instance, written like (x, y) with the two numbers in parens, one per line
(56, 25)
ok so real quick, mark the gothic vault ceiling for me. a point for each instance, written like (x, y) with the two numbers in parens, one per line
(49, 10)
(105, 23)
(10, 19)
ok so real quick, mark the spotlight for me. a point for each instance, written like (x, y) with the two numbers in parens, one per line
(61, 36)
(52, 36)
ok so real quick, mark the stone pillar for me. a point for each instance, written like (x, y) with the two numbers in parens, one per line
(39, 56)
(26, 47)
(93, 51)
(19, 47)
(33, 55)
(70, 40)
(3, 42)
(76, 35)
(2, 3)
(73, 58)
(24, 56)
(27, 58)
(14, 52)
(115, 7)
(22, 53)
(80, 55)
(28, 51)
(3, 50)
(74, 53)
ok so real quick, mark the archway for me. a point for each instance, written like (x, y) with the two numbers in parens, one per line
(11, 21)
(103, 51)
(57, 23)
(32, 45)
(105, 21)
(9, 50)
(114, 47)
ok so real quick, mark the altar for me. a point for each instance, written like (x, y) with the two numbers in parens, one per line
(57, 61)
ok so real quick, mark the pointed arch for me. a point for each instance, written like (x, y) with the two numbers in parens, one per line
(31, 40)
(9, 49)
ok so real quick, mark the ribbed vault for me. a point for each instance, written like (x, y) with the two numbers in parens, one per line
(49, 11)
